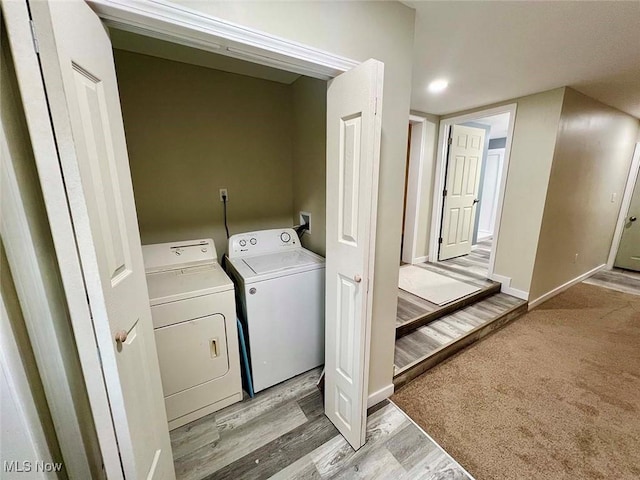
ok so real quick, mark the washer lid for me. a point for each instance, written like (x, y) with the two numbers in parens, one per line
(180, 284)
(276, 262)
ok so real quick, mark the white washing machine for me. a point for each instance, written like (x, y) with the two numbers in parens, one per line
(280, 288)
(194, 319)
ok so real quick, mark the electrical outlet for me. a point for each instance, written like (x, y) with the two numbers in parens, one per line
(613, 197)
(305, 217)
(224, 193)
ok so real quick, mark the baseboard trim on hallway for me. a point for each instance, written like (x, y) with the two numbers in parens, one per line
(565, 286)
(380, 395)
(420, 259)
(506, 287)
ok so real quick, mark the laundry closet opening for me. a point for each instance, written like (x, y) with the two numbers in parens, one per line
(199, 127)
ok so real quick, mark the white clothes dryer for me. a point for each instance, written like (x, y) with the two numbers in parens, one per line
(280, 289)
(194, 319)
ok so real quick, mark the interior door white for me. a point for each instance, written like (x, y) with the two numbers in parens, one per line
(461, 191)
(354, 102)
(629, 250)
(80, 80)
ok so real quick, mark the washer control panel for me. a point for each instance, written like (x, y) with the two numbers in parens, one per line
(263, 242)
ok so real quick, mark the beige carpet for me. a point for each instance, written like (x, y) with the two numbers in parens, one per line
(553, 395)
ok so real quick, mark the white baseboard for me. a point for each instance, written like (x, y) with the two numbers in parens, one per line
(380, 395)
(564, 286)
(508, 289)
(420, 259)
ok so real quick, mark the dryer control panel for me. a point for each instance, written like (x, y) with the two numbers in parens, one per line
(262, 242)
(161, 257)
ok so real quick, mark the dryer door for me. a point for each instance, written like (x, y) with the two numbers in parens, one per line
(192, 352)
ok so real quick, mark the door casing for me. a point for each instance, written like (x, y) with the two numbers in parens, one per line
(439, 180)
(169, 22)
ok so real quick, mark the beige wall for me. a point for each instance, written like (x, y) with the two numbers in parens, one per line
(425, 202)
(533, 144)
(591, 163)
(191, 130)
(309, 137)
(357, 30)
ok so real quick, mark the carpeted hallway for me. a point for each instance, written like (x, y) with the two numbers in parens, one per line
(553, 395)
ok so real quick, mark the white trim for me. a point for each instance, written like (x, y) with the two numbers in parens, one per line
(634, 173)
(414, 188)
(507, 288)
(438, 204)
(565, 286)
(178, 24)
(421, 259)
(380, 395)
(36, 112)
(432, 440)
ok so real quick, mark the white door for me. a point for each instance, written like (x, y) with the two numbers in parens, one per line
(80, 80)
(629, 250)
(354, 101)
(461, 191)
(489, 200)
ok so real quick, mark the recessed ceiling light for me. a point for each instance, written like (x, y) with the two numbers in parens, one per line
(438, 86)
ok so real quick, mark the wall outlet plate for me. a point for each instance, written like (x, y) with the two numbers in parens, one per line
(224, 193)
(305, 217)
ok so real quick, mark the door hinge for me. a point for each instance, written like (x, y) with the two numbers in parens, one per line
(450, 141)
(375, 109)
(34, 37)
(444, 192)
(440, 240)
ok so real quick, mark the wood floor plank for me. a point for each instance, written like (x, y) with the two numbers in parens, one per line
(194, 435)
(409, 446)
(414, 312)
(378, 463)
(278, 454)
(332, 457)
(240, 441)
(426, 340)
(240, 413)
(302, 469)
(436, 465)
(625, 281)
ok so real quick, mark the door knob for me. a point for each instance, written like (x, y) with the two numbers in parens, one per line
(475, 200)
(633, 219)
(121, 336)
(357, 278)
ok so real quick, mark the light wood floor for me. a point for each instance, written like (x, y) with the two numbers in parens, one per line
(477, 262)
(283, 434)
(411, 307)
(431, 338)
(618, 279)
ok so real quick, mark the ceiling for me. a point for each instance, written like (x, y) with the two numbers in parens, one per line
(495, 51)
(154, 47)
(499, 124)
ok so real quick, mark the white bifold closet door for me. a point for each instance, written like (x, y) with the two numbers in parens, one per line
(354, 102)
(80, 80)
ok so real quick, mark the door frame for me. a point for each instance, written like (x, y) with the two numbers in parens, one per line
(634, 174)
(414, 188)
(169, 22)
(439, 180)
